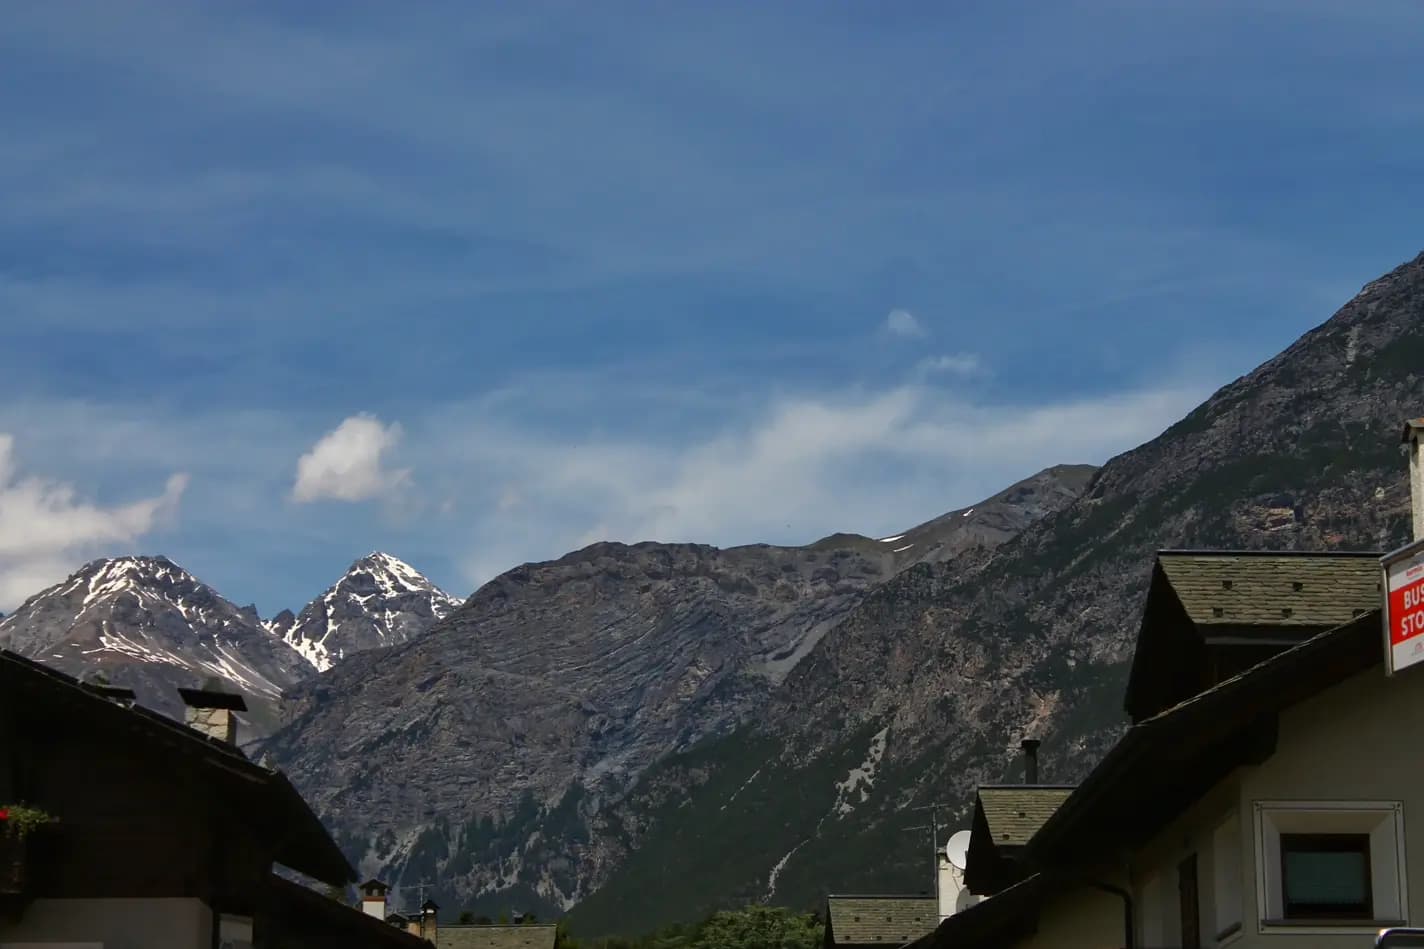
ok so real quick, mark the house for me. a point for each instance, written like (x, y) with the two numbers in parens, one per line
(167, 836)
(1262, 790)
(864, 922)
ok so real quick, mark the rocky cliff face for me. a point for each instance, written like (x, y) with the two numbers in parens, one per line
(924, 689)
(537, 703)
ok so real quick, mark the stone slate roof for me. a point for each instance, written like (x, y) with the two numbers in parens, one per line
(881, 920)
(1015, 814)
(1275, 589)
(525, 936)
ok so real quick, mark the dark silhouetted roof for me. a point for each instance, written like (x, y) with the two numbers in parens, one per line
(277, 807)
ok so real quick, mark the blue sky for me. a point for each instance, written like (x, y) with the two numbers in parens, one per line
(516, 277)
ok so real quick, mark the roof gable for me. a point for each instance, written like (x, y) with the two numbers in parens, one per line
(1211, 613)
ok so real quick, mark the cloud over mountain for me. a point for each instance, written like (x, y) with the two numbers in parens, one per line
(349, 463)
(47, 529)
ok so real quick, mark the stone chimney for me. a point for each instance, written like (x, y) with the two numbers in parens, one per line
(1413, 430)
(429, 926)
(1030, 750)
(373, 898)
(211, 708)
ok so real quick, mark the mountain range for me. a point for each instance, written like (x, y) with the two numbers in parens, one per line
(146, 623)
(623, 733)
(637, 734)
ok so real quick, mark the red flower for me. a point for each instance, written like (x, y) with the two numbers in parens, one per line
(4, 814)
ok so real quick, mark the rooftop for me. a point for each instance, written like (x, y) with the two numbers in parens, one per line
(881, 920)
(1015, 813)
(1251, 588)
(497, 936)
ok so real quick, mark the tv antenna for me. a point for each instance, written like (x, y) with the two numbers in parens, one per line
(933, 808)
(420, 888)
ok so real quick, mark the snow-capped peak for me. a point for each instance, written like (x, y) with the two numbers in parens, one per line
(152, 622)
(380, 601)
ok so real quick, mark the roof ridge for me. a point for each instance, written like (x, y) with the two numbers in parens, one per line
(881, 896)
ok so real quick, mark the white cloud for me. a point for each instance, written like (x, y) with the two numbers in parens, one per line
(348, 463)
(956, 364)
(47, 530)
(903, 323)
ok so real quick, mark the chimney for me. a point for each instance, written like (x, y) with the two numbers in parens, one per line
(1413, 429)
(373, 898)
(211, 708)
(1030, 750)
(429, 927)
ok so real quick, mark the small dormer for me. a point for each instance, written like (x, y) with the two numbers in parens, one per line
(1211, 615)
(1006, 817)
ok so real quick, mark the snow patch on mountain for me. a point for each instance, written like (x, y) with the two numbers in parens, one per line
(855, 789)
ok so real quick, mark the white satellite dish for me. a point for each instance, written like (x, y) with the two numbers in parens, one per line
(957, 850)
(964, 900)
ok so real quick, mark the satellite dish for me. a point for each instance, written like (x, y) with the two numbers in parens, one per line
(964, 901)
(957, 850)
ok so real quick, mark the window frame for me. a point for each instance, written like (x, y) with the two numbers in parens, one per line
(1319, 842)
(1389, 884)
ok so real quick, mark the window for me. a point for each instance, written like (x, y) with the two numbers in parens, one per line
(1330, 866)
(1326, 876)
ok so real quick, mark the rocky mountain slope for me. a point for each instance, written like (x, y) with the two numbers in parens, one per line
(925, 688)
(379, 601)
(148, 624)
(556, 685)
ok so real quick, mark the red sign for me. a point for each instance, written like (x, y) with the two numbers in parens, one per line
(1404, 607)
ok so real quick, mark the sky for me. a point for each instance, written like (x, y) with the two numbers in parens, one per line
(479, 284)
